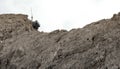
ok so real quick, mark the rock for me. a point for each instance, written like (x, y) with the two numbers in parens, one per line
(96, 46)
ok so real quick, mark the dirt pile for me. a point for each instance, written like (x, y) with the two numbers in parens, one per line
(96, 46)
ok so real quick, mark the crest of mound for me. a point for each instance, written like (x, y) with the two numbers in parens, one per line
(14, 24)
(17, 22)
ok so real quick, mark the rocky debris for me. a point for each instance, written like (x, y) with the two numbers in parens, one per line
(96, 46)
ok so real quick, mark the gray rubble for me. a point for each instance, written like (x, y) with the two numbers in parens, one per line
(95, 46)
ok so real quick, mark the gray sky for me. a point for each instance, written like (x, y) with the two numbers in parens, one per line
(62, 14)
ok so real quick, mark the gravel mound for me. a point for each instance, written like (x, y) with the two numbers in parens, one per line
(95, 46)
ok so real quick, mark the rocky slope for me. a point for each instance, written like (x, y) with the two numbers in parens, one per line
(96, 46)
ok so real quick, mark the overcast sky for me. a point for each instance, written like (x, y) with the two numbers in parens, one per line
(62, 14)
